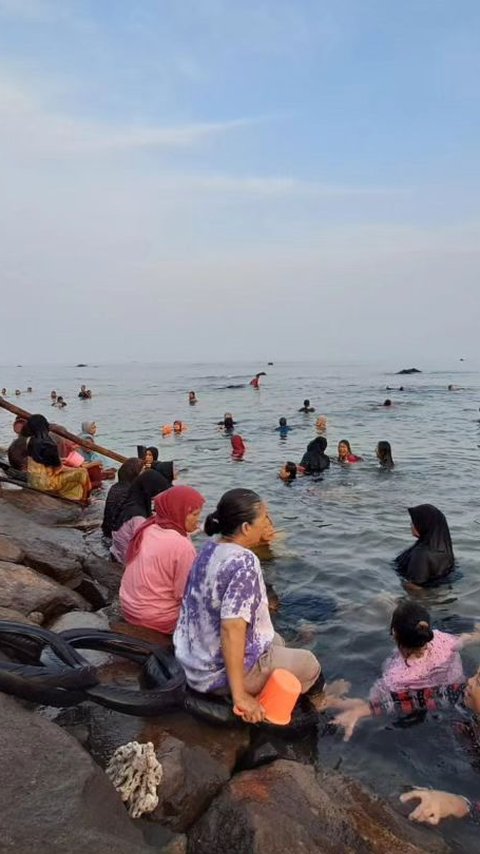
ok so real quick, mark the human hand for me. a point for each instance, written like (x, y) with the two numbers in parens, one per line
(248, 708)
(435, 805)
(354, 711)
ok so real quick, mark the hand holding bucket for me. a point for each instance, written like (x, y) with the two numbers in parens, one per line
(278, 697)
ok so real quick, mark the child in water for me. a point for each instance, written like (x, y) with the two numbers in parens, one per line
(288, 473)
(384, 455)
(283, 428)
(306, 407)
(345, 453)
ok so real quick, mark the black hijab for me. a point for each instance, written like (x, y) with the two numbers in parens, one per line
(431, 558)
(140, 496)
(315, 459)
(41, 447)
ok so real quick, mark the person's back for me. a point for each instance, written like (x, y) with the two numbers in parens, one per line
(154, 580)
(116, 497)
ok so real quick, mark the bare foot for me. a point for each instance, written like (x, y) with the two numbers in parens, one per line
(332, 695)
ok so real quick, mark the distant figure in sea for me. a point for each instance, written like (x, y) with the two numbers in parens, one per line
(59, 402)
(255, 383)
(18, 392)
(192, 398)
(29, 389)
(306, 407)
(288, 473)
(384, 455)
(345, 454)
(53, 396)
(321, 424)
(315, 460)
(167, 468)
(83, 393)
(238, 447)
(431, 558)
(4, 392)
(228, 424)
(387, 402)
(179, 427)
(283, 428)
(117, 494)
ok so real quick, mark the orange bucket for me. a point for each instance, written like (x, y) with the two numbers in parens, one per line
(279, 696)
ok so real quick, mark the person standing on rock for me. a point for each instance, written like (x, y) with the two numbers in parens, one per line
(224, 638)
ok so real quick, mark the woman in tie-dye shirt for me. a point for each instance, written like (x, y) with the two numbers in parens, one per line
(224, 637)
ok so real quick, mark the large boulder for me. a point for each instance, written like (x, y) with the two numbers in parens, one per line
(24, 590)
(53, 551)
(285, 807)
(54, 798)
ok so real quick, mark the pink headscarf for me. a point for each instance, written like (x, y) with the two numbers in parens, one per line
(171, 509)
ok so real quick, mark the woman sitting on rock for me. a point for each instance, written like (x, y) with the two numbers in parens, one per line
(44, 466)
(117, 494)
(159, 559)
(224, 638)
(137, 508)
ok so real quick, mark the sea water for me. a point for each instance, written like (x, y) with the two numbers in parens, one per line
(333, 569)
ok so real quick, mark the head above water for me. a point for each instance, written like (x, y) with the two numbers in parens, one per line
(129, 470)
(191, 395)
(282, 422)
(306, 403)
(228, 422)
(151, 455)
(177, 426)
(241, 515)
(428, 523)
(321, 423)
(53, 395)
(344, 449)
(288, 472)
(411, 626)
(384, 454)
(387, 402)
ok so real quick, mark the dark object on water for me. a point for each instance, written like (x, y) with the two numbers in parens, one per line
(409, 371)
(271, 363)
(81, 365)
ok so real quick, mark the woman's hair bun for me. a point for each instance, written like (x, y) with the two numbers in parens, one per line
(212, 525)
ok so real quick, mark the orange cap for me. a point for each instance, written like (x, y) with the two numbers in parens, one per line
(279, 696)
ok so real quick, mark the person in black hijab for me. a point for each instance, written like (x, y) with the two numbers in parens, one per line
(118, 493)
(41, 447)
(150, 460)
(140, 496)
(431, 558)
(315, 459)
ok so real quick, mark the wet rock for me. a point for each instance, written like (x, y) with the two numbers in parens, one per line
(24, 590)
(42, 508)
(80, 620)
(285, 807)
(105, 572)
(409, 371)
(54, 798)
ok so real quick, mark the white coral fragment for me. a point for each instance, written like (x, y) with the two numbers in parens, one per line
(135, 772)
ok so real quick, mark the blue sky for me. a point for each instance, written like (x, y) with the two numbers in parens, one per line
(252, 167)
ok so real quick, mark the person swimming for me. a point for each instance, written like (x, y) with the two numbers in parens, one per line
(83, 393)
(238, 447)
(384, 455)
(321, 424)
(192, 398)
(315, 460)
(255, 383)
(431, 558)
(228, 423)
(345, 454)
(283, 428)
(306, 407)
(53, 395)
(387, 402)
(179, 427)
(288, 473)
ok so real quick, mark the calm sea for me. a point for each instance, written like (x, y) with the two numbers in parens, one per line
(333, 570)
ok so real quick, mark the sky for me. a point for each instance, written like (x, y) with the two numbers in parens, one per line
(202, 180)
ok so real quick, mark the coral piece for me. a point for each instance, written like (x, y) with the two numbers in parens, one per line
(135, 773)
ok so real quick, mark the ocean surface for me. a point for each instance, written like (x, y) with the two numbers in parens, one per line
(333, 569)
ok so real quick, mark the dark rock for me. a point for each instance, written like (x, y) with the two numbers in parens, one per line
(285, 807)
(409, 371)
(105, 572)
(54, 798)
(191, 779)
(10, 551)
(53, 551)
(24, 590)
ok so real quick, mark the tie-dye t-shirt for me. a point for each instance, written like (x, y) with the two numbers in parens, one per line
(226, 582)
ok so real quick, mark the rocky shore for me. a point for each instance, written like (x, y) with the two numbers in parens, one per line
(236, 790)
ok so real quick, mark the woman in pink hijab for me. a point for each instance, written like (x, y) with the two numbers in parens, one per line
(159, 559)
